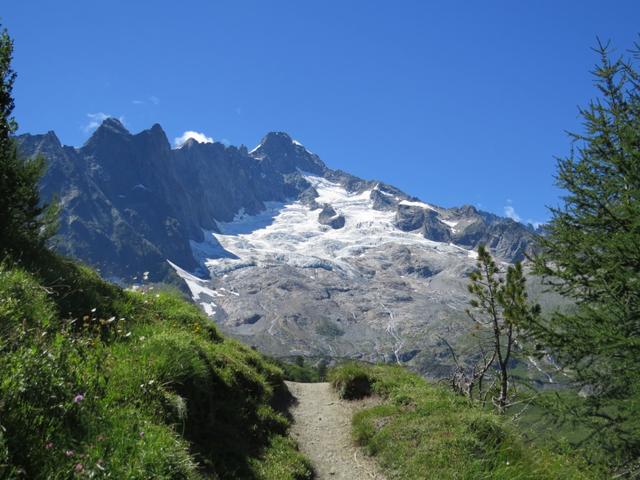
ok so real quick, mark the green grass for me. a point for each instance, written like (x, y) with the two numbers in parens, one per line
(423, 431)
(97, 382)
(351, 380)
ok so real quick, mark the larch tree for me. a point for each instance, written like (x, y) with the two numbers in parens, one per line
(500, 306)
(591, 254)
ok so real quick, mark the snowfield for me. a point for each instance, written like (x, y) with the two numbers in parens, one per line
(290, 233)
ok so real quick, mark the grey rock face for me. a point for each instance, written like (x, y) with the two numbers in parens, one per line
(298, 258)
(409, 217)
(278, 152)
(383, 201)
(414, 217)
(328, 216)
(434, 229)
(130, 202)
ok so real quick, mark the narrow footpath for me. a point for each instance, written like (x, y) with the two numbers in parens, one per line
(322, 428)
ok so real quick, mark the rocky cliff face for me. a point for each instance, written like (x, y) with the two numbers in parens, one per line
(278, 249)
(130, 202)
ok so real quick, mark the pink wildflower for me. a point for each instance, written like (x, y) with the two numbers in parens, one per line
(78, 398)
(69, 453)
(79, 467)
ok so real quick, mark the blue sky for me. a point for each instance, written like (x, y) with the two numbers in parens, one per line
(454, 102)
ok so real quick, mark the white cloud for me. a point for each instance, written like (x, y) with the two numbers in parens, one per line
(96, 119)
(510, 212)
(197, 136)
(152, 99)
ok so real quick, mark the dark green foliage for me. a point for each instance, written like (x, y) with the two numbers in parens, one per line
(423, 431)
(591, 253)
(24, 223)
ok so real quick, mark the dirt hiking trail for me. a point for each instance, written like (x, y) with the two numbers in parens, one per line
(322, 428)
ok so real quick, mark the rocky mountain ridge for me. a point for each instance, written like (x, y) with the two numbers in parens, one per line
(280, 250)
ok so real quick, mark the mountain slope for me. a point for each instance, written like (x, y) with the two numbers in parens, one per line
(280, 250)
(99, 382)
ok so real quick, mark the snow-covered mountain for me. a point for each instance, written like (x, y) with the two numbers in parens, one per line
(277, 248)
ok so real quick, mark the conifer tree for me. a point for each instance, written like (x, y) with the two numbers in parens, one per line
(24, 222)
(591, 253)
(500, 306)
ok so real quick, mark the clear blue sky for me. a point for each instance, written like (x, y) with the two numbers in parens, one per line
(455, 102)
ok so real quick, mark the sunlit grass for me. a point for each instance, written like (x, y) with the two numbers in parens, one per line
(119, 384)
(423, 431)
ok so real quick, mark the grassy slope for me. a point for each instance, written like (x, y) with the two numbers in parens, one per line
(423, 431)
(102, 383)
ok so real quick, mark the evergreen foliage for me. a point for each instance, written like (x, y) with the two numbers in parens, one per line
(500, 306)
(591, 253)
(24, 222)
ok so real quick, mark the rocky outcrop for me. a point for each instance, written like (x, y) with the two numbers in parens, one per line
(409, 218)
(434, 229)
(382, 201)
(328, 216)
(507, 238)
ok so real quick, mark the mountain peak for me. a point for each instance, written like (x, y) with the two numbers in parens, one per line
(109, 128)
(156, 135)
(113, 124)
(277, 137)
(53, 138)
(285, 154)
(275, 143)
(156, 128)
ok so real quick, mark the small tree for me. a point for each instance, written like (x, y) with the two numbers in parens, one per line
(499, 306)
(25, 224)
